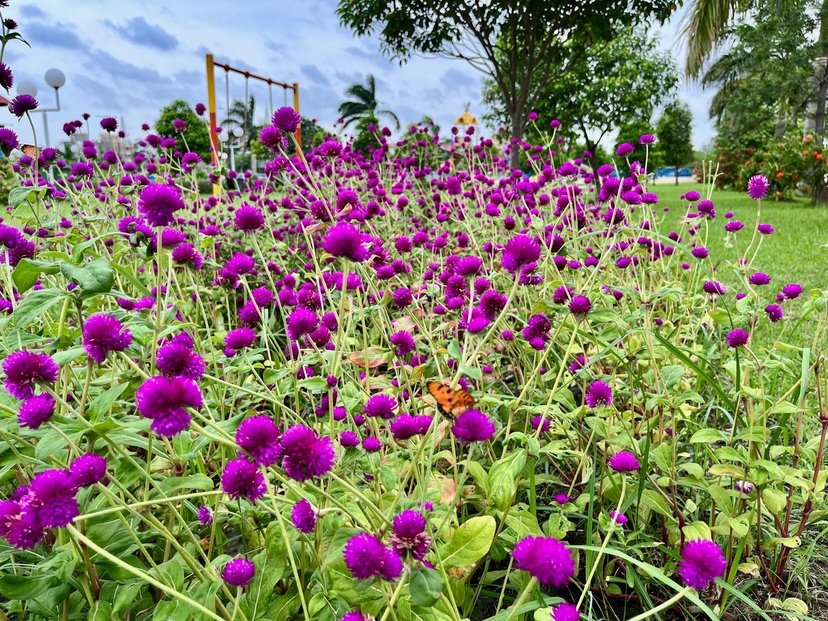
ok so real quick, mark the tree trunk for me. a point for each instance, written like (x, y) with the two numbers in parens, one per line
(781, 122)
(820, 79)
(677, 174)
(518, 124)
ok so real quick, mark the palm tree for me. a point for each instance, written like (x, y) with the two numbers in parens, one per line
(364, 103)
(243, 115)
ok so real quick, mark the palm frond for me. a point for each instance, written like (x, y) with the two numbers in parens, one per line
(704, 26)
(391, 114)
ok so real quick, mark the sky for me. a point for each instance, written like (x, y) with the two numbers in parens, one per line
(128, 59)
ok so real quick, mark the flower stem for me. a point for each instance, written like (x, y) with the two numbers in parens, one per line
(663, 605)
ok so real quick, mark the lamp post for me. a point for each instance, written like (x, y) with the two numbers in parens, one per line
(237, 132)
(55, 79)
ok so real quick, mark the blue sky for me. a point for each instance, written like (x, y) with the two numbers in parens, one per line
(128, 59)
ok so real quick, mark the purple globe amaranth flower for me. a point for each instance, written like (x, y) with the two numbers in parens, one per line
(408, 533)
(382, 406)
(22, 104)
(520, 250)
(565, 612)
(179, 126)
(598, 393)
(8, 140)
(24, 369)
(286, 119)
(624, 149)
(300, 322)
(355, 615)
(737, 338)
(52, 497)
(240, 264)
(305, 455)
(406, 426)
(714, 288)
(774, 312)
(580, 305)
(759, 278)
(546, 559)
(473, 426)
(403, 343)
(36, 410)
(259, 436)
(702, 561)
(248, 219)
(158, 202)
(241, 478)
(345, 240)
(87, 470)
(240, 338)
(540, 421)
(366, 557)
(239, 572)
(371, 444)
(6, 76)
(348, 439)
(102, 334)
(200, 109)
(303, 517)
(205, 515)
(765, 229)
(733, 226)
(758, 187)
(624, 461)
(619, 518)
(792, 291)
(272, 139)
(163, 399)
(109, 124)
(178, 359)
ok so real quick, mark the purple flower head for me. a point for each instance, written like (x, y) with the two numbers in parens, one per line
(624, 149)
(366, 557)
(241, 478)
(8, 140)
(646, 139)
(205, 515)
(714, 288)
(599, 393)
(158, 202)
(580, 305)
(619, 518)
(36, 410)
(566, 611)
(765, 229)
(737, 338)
(303, 517)
(473, 426)
(6, 76)
(624, 461)
(733, 226)
(301, 321)
(248, 219)
(409, 534)
(345, 240)
(87, 470)
(24, 369)
(774, 312)
(286, 119)
(305, 455)
(381, 406)
(109, 124)
(758, 187)
(348, 439)
(355, 615)
(536, 422)
(520, 250)
(239, 572)
(163, 399)
(102, 334)
(178, 359)
(702, 561)
(403, 343)
(259, 436)
(272, 139)
(240, 338)
(240, 264)
(371, 444)
(546, 559)
(406, 426)
(179, 126)
(759, 278)
(562, 499)
(200, 109)
(22, 104)
(792, 291)
(52, 498)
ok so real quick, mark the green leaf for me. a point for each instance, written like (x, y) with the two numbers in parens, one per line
(503, 478)
(68, 355)
(258, 595)
(338, 544)
(127, 273)
(194, 481)
(672, 375)
(93, 277)
(24, 587)
(706, 436)
(20, 194)
(470, 543)
(426, 586)
(523, 522)
(774, 500)
(35, 305)
(284, 606)
(652, 499)
(479, 475)
(104, 401)
(101, 611)
(27, 272)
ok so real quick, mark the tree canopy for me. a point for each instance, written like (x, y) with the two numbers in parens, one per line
(674, 131)
(515, 43)
(197, 135)
(363, 104)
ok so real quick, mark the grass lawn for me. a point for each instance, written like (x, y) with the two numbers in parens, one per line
(793, 254)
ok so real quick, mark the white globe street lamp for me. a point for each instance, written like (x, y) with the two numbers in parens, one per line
(237, 132)
(54, 78)
(27, 87)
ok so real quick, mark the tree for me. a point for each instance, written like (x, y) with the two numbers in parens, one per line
(674, 130)
(243, 115)
(197, 135)
(515, 43)
(364, 104)
(613, 83)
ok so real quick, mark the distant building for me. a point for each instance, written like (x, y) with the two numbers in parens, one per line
(123, 147)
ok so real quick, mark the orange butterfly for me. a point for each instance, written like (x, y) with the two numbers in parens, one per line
(30, 150)
(452, 401)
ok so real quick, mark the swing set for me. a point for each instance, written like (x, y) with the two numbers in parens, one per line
(211, 97)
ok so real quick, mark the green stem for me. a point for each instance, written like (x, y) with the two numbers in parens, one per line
(662, 606)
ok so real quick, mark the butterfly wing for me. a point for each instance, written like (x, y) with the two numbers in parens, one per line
(30, 150)
(452, 402)
(462, 402)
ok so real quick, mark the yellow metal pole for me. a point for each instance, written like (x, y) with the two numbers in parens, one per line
(211, 102)
(296, 107)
